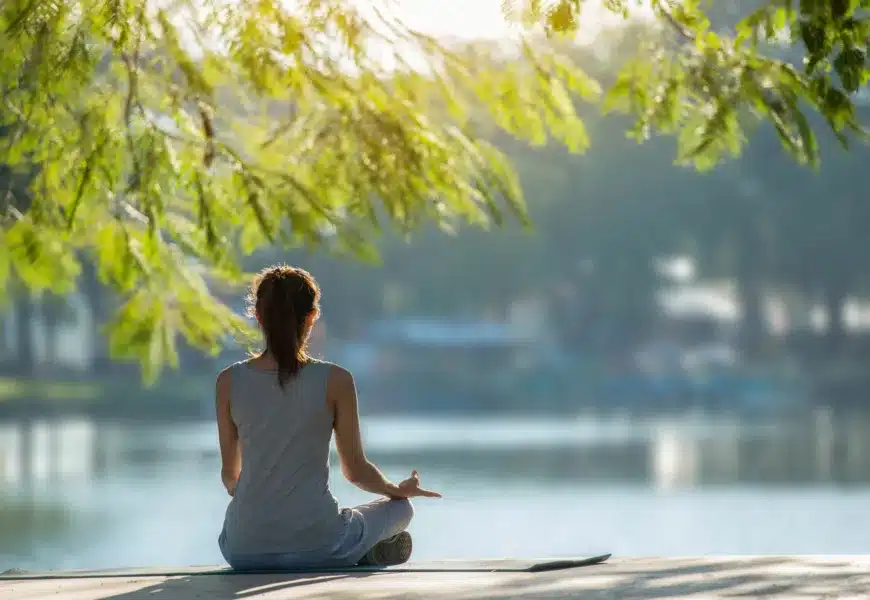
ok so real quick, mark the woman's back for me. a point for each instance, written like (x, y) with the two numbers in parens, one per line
(282, 502)
(276, 415)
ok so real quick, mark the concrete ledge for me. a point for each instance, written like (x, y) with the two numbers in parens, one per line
(636, 578)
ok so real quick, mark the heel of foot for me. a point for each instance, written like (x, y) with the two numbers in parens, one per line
(392, 551)
(404, 545)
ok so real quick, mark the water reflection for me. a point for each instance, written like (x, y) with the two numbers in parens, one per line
(40, 450)
(90, 494)
(663, 454)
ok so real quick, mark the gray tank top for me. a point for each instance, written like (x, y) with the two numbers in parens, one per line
(282, 502)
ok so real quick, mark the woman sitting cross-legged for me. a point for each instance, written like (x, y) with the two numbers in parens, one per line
(276, 414)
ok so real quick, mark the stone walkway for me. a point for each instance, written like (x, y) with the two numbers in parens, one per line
(726, 577)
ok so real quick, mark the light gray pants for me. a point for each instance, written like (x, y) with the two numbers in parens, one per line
(371, 523)
(365, 526)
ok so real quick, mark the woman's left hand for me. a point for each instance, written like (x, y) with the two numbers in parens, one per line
(410, 488)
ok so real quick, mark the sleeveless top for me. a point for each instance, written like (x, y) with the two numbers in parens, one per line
(282, 503)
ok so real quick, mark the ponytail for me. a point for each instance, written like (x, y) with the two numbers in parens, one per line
(283, 298)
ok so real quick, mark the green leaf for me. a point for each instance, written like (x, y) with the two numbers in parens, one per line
(814, 37)
(850, 66)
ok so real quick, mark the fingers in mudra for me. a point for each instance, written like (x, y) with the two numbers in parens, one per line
(414, 489)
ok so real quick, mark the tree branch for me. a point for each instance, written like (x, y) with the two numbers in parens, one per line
(664, 7)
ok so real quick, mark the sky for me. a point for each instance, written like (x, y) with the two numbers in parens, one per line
(475, 19)
(452, 19)
(484, 18)
(456, 18)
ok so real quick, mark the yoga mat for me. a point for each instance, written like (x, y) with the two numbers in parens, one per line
(507, 565)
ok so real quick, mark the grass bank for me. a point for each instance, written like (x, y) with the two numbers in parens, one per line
(175, 395)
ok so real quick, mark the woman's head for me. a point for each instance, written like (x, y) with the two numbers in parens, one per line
(285, 302)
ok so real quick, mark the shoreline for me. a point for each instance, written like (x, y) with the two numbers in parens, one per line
(146, 408)
(190, 396)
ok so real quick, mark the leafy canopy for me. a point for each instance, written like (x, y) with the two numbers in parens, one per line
(159, 140)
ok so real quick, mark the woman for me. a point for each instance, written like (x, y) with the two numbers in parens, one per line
(276, 414)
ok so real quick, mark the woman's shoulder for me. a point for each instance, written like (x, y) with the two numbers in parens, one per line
(324, 364)
(332, 372)
(239, 364)
(227, 372)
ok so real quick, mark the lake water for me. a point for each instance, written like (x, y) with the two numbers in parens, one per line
(81, 494)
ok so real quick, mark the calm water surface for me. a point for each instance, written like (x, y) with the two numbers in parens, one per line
(80, 494)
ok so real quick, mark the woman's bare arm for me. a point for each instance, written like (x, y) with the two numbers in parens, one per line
(228, 435)
(342, 399)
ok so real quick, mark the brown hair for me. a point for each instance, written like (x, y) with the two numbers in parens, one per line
(282, 298)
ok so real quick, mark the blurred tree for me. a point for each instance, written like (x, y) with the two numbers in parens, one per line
(55, 312)
(168, 136)
(13, 190)
(98, 298)
(820, 246)
(25, 351)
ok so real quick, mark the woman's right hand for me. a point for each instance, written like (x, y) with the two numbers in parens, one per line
(410, 488)
(230, 481)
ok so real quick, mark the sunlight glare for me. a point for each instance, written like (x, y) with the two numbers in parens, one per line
(478, 20)
(485, 19)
